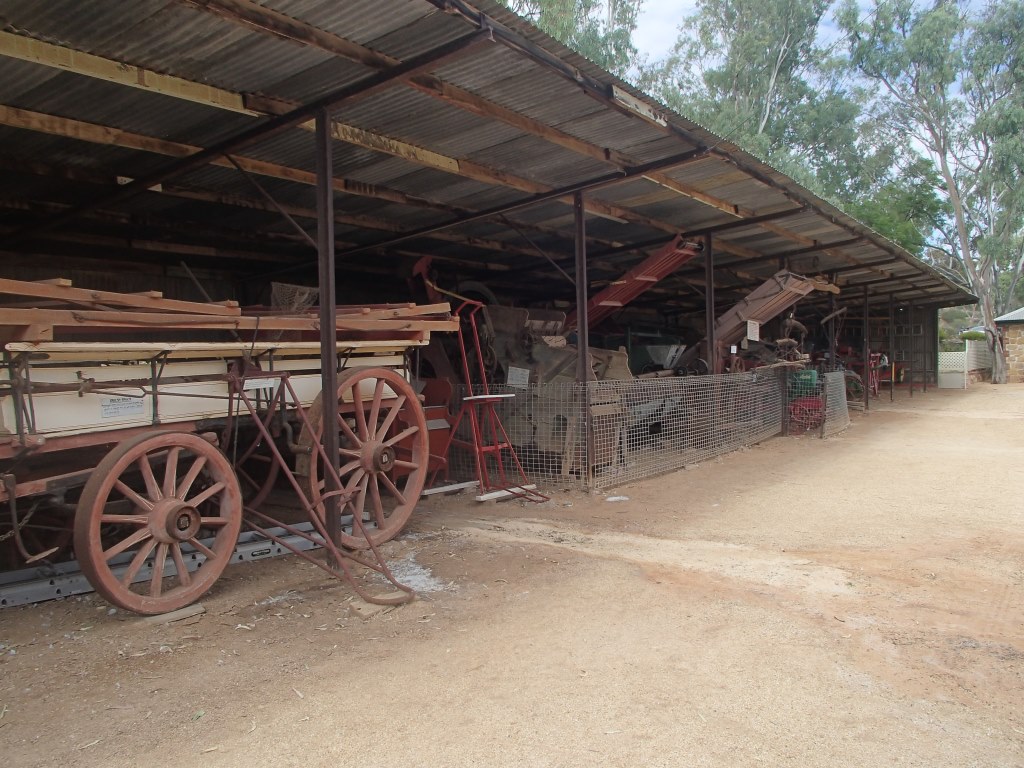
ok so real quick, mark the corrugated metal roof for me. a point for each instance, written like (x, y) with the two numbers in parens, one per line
(176, 39)
(1017, 316)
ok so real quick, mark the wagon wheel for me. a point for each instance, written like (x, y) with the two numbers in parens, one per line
(854, 386)
(805, 417)
(383, 452)
(156, 500)
(257, 471)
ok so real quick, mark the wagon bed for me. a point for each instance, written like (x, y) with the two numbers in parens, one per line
(145, 433)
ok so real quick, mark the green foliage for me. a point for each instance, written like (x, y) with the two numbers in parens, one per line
(973, 335)
(601, 30)
(951, 82)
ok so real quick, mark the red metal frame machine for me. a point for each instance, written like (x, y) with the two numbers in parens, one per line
(488, 438)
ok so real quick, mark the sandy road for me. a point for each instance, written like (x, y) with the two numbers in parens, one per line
(856, 601)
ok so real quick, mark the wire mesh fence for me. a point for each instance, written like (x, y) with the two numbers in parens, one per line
(837, 412)
(639, 428)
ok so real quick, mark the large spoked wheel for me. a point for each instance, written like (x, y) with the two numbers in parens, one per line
(257, 471)
(383, 454)
(155, 503)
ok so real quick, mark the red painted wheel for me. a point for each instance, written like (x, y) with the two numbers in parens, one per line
(383, 452)
(806, 413)
(257, 470)
(155, 502)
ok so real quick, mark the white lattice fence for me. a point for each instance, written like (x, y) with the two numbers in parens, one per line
(952, 370)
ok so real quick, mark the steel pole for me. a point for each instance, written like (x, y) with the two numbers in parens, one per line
(832, 364)
(867, 352)
(328, 311)
(583, 332)
(910, 344)
(582, 313)
(709, 304)
(892, 348)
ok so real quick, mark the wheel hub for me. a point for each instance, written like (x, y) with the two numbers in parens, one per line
(172, 520)
(378, 457)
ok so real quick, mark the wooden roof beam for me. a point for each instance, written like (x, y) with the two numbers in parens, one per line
(261, 19)
(384, 79)
(89, 65)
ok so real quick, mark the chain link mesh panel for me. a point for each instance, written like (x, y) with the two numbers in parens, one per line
(837, 413)
(641, 428)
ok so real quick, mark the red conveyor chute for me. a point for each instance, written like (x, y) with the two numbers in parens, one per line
(641, 277)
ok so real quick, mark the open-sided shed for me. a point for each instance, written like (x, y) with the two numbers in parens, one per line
(138, 136)
(206, 148)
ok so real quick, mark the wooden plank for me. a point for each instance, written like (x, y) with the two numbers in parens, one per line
(115, 137)
(284, 350)
(453, 488)
(135, 301)
(257, 17)
(55, 281)
(512, 492)
(151, 320)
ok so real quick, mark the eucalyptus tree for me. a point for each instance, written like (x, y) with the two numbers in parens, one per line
(951, 83)
(601, 30)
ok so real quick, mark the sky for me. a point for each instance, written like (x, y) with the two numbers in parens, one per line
(658, 26)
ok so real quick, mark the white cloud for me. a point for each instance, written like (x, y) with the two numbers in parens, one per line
(658, 26)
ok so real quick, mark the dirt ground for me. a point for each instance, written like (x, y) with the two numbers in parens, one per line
(855, 601)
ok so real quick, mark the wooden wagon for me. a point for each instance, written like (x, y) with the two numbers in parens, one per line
(144, 433)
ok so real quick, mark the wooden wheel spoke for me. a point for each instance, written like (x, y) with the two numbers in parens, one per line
(350, 452)
(378, 503)
(190, 477)
(206, 495)
(389, 420)
(245, 476)
(184, 577)
(202, 548)
(126, 543)
(360, 510)
(360, 413)
(152, 488)
(136, 564)
(378, 396)
(171, 471)
(403, 464)
(213, 522)
(392, 489)
(344, 469)
(156, 581)
(355, 479)
(349, 434)
(125, 519)
(132, 496)
(405, 433)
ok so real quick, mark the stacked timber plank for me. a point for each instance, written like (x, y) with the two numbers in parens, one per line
(56, 310)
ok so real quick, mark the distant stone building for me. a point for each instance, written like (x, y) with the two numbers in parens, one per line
(1012, 326)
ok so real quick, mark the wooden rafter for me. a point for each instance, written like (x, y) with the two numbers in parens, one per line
(256, 17)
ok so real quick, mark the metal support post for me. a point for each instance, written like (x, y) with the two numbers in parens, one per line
(582, 316)
(832, 364)
(709, 305)
(867, 352)
(892, 348)
(910, 346)
(583, 333)
(328, 311)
